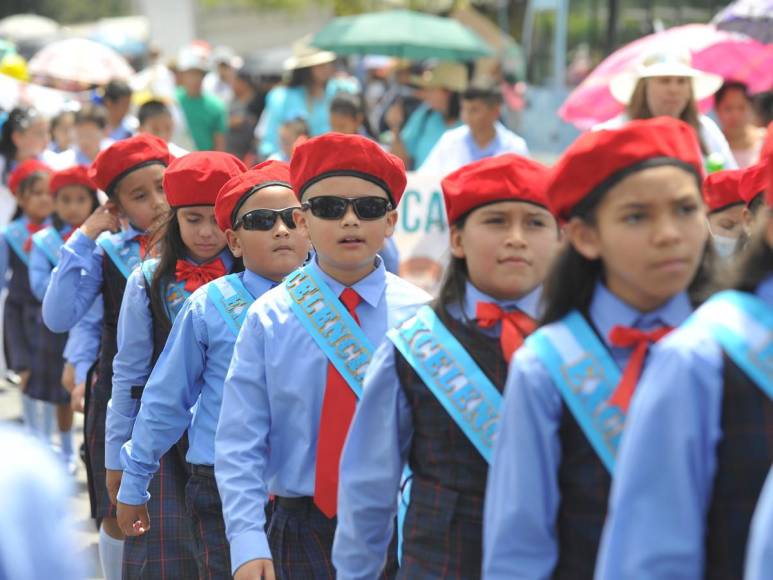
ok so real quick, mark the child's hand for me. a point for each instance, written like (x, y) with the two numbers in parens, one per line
(256, 570)
(133, 519)
(68, 377)
(76, 397)
(113, 477)
(102, 220)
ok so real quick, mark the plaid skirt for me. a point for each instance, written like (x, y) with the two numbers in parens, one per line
(167, 550)
(45, 382)
(442, 535)
(202, 499)
(21, 320)
(95, 405)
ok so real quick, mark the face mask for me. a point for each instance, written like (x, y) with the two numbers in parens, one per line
(724, 245)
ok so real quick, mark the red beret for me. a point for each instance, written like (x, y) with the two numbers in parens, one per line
(75, 175)
(237, 189)
(597, 158)
(125, 156)
(753, 181)
(24, 170)
(196, 178)
(335, 154)
(506, 177)
(722, 189)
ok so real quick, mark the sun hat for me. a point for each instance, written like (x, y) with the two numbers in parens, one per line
(445, 75)
(305, 55)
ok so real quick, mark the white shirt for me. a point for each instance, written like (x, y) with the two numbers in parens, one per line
(457, 148)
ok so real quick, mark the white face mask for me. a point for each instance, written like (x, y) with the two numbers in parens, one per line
(724, 245)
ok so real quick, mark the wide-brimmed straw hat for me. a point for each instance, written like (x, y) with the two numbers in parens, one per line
(445, 75)
(665, 63)
(305, 55)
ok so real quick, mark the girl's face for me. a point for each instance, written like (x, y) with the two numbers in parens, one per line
(650, 233)
(668, 96)
(508, 246)
(64, 133)
(322, 73)
(346, 124)
(274, 253)
(140, 196)
(200, 233)
(727, 222)
(31, 141)
(437, 98)
(36, 201)
(734, 111)
(73, 203)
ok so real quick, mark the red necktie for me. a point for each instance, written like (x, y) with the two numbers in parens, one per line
(516, 326)
(337, 412)
(143, 241)
(31, 229)
(639, 341)
(196, 276)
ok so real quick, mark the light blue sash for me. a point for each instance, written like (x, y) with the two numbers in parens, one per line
(743, 325)
(232, 300)
(176, 294)
(458, 383)
(16, 235)
(587, 376)
(330, 325)
(126, 257)
(50, 242)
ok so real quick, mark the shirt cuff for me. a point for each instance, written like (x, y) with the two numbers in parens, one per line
(247, 546)
(134, 489)
(80, 242)
(81, 371)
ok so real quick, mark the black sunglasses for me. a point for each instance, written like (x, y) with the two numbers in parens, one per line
(264, 219)
(332, 207)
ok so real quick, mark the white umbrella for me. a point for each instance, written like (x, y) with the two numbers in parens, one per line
(80, 60)
(28, 27)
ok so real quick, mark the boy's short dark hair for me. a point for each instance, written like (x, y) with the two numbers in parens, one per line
(90, 113)
(487, 92)
(347, 104)
(116, 90)
(298, 126)
(152, 108)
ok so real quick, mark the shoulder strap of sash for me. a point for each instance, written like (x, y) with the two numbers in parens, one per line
(16, 235)
(330, 325)
(50, 242)
(231, 299)
(148, 269)
(743, 324)
(126, 257)
(176, 294)
(452, 375)
(586, 376)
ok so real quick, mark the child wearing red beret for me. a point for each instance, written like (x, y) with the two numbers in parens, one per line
(29, 182)
(298, 364)
(636, 257)
(725, 208)
(75, 198)
(254, 209)
(752, 184)
(433, 391)
(97, 260)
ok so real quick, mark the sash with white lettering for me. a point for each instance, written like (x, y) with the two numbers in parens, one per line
(231, 299)
(16, 235)
(456, 380)
(50, 242)
(586, 376)
(126, 257)
(330, 325)
(743, 325)
(176, 294)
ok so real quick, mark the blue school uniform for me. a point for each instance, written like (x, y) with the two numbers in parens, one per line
(278, 372)
(399, 420)
(684, 509)
(190, 372)
(759, 560)
(547, 488)
(82, 349)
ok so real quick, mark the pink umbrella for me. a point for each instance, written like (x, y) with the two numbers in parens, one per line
(80, 60)
(730, 55)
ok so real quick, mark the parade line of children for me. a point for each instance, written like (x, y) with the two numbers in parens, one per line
(589, 395)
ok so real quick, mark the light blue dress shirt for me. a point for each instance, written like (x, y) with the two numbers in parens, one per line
(522, 494)
(273, 398)
(191, 369)
(82, 349)
(759, 561)
(657, 510)
(377, 449)
(133, 362)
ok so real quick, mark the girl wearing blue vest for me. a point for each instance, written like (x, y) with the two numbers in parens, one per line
(634, 267)
(503, 239)
(75, 198)
(255, 211)
(21, 321)
(95, 261)
(192, 252)
(706, 407)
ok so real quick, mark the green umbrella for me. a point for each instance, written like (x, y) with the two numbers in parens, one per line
(402, 33)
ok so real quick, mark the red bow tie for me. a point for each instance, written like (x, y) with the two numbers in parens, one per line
(516, 326)
(196, 276)
(143, 241)
(32, 229)
(639, 341)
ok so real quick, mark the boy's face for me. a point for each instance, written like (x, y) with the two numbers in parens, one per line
(346, 247)
(73, 204)
(159, 125)
(140, 196)
(346, 124)
(479, 115)
(119, 108)
(89, 138)
(36, 201)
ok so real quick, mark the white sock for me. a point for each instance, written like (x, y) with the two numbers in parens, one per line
(47, 423)
(28, 414)
(65, 438)
(110, 555)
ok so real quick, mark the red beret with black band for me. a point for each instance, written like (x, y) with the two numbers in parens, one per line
(196, 178)
(127, 155)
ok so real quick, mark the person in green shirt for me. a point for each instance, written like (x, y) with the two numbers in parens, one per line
(204, 113)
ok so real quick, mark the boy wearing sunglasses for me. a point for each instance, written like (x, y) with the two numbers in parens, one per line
(300, 358)
(255, 211)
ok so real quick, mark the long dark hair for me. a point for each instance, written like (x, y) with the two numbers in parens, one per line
(573, 277)
(19, 119)
(57, 221)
